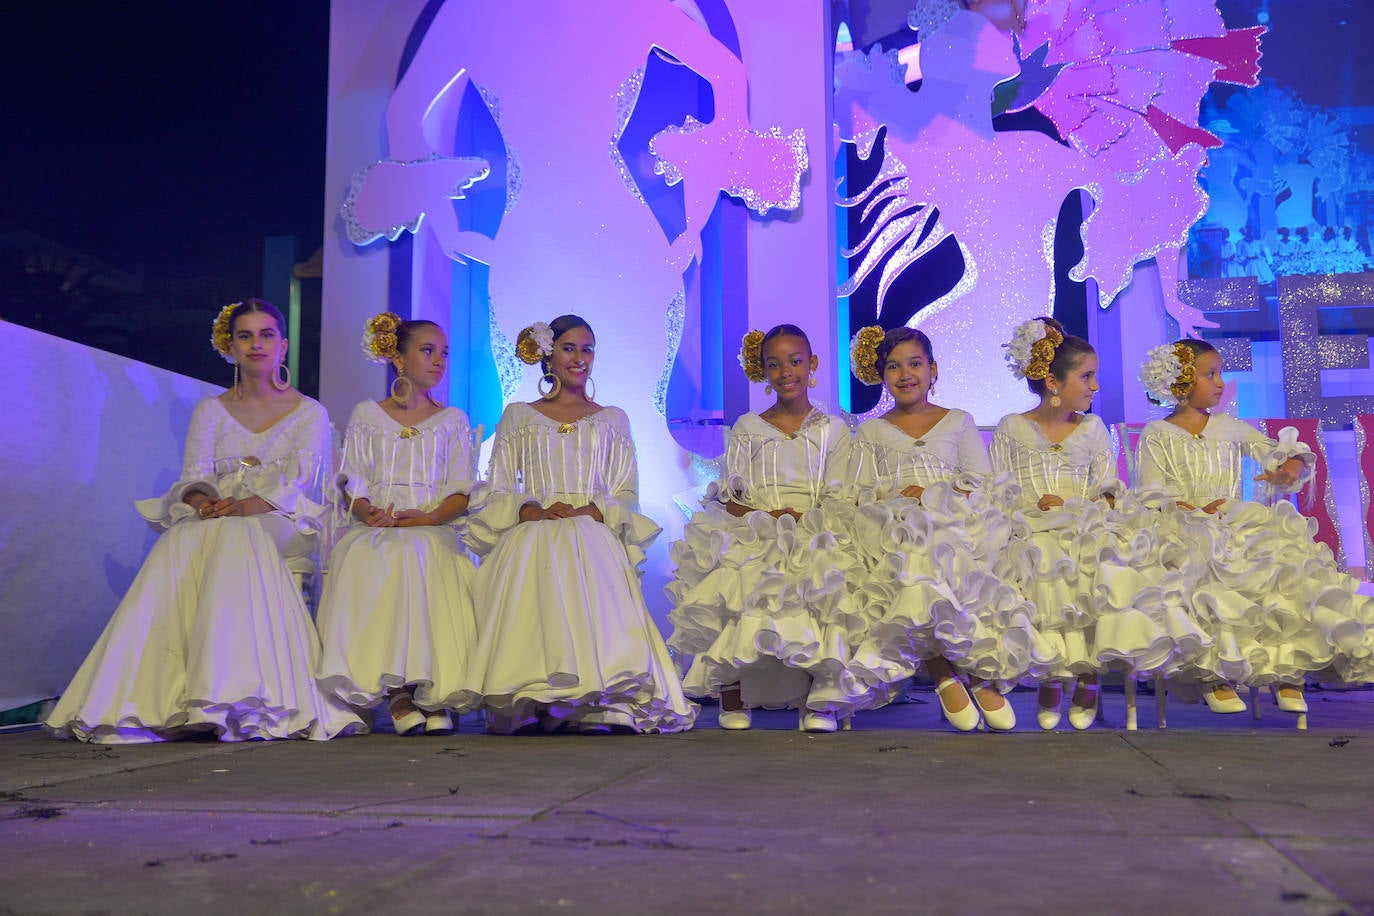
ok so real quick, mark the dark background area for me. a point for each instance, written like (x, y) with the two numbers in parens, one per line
(148, 150)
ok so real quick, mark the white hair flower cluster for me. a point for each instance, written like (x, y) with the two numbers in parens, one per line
(1032, 349)
(1168, 373)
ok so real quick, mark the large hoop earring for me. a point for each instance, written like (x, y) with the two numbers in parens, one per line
(555, 387)
(591, 388)
(400, 400)
(238, 391)
(278, 381)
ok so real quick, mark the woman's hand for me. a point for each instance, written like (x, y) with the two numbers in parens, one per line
(1189, 506)
(914, 492)
(380, 518)
(412, 518)
(779, 513)
(591, 511)
(1049, 501)
(1212, 507)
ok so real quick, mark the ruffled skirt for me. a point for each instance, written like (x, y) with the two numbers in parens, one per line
(565, 635)
(765, 603)
(397, 610)
(1103, 597)
(212, 637)
(1271, 598)
(936, 586)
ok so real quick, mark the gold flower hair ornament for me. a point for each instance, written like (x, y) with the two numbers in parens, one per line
(220, 337)
(534, 343)
(863, 354)
(379, 337)
(1187, 374)
(1032, 349)
(751, 356)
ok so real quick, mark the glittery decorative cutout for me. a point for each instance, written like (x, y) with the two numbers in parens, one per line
(1305, 355)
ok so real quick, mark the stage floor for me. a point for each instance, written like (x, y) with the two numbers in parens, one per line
(1216, 814)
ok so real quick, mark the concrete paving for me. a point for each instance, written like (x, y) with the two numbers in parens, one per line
(1214, 815)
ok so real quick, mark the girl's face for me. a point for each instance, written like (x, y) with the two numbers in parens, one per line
(908, 373)
(787, 365)
(573, 354)
(425, 359)
(1077, 388)
(1208, 385)
(257, 344)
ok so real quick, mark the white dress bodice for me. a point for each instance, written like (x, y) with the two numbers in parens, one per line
(1198, 469)
(410, 467)
(1082, 465)
(886, 460)
(768, 469)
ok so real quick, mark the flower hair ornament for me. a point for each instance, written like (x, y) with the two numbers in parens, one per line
(1168, 373)
(534, 343)
(1032, 349)
(751, 356)
(863, 354)
(220, 337)
(379, 337)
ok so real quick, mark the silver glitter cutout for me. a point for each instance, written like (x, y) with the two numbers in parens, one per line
(1299, 300)
(672, 322)
(1235, 352)
(625, 98)
(508, 365)
(785, 154)
(930, 16)
(1343, 351)
(1364, 468)
(514, 175)
(361, 234)
(1231, 294)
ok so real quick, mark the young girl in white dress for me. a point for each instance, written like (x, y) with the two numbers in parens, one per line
(565, 638)
(760, 596)
(1090, 565)
(396, 619)
(1269, 595)
(933, 528)
(213, 636)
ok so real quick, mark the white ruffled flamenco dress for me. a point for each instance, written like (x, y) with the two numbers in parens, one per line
(397, 607)
(936, 568)
(764, 602)
(564, 632)
(1093, 570)
(1269, 595)
(213, 635)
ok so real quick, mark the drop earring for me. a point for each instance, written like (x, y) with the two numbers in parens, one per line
(768, 389)
(1054, 400)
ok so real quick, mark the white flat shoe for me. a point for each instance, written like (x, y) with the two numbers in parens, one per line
(966, 719)
(735, 720)
(439, 723)
(1081, 717)
(1046, 717)
(1001, 719)
(812, 721)
(406, 723)
(1218, 704)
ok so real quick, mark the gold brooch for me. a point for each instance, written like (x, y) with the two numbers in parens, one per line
(919, 443)
(1197, 435)
(409, 432)
(566, 428)
(1056, 447)
(250, 462)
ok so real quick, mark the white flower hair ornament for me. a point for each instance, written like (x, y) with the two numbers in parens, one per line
(1168, 373)
(534, 343)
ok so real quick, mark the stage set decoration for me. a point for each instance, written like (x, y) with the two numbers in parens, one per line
(678, 172)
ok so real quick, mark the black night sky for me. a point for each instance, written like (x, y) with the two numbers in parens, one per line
(174, 136)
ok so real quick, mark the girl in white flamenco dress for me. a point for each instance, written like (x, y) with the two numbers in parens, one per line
(1091, 564)
(933, 528)
(1268, 594)
(565, 638)
(213, 636)
(760, 594)
(396, 619)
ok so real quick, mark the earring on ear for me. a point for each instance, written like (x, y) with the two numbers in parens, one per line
(1054, 400)
(768, 389)
(811, 382)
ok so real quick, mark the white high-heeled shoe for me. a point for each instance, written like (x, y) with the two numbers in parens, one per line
(439, 722)
(405, 723)
(1222, 704)
(1081, 717)
(966, 719)
(1047, 717)
(1000, 719)
(1294, 702)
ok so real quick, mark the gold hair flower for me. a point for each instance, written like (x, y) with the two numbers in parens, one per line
(220, 336)
(1042, 353)
(534, 343)
(1187, 374)
(863, 354)
(379, 337)
(751, 356)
